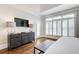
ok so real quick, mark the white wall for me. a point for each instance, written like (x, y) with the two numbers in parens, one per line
(8, 13)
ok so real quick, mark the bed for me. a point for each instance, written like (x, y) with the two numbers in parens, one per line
(64, 45)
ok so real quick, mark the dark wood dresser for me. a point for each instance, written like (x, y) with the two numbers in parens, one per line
(18, 39)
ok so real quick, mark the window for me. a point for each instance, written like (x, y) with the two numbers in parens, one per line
(49, 26)
(64, 28)
(68, 16)
(57, 17)
(54, 27)
(61, 25)
(71, 27)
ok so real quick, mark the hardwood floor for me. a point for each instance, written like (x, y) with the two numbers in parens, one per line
(25, 49)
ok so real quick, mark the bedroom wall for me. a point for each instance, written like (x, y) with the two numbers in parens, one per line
(8, 13)
(75, 10)
(43, 28)
(77, 24)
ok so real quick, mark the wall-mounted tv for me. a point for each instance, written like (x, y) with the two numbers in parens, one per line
(21, 22)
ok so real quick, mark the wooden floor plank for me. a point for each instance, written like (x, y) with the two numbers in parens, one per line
(25, 49)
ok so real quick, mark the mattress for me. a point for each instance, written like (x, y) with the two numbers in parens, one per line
(64, 45)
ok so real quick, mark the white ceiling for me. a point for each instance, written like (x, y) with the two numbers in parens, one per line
(42, 9)
(59, 8)
(35, 9)
(28, 8)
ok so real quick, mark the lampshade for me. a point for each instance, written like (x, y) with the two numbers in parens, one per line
(30, 21)
(11, 24)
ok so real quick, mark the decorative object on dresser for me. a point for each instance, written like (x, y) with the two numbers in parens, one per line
(30, 25)
(11, 26)
(16, 40)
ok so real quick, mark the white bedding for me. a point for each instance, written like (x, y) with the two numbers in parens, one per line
(64, 45)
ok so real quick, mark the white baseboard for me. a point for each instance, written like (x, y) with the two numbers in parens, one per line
(3, 46)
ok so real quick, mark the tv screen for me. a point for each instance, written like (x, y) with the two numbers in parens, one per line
(21, 22)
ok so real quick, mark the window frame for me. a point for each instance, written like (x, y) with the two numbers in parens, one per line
(61, 19)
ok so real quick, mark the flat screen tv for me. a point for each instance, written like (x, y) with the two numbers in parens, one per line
(21, 22)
